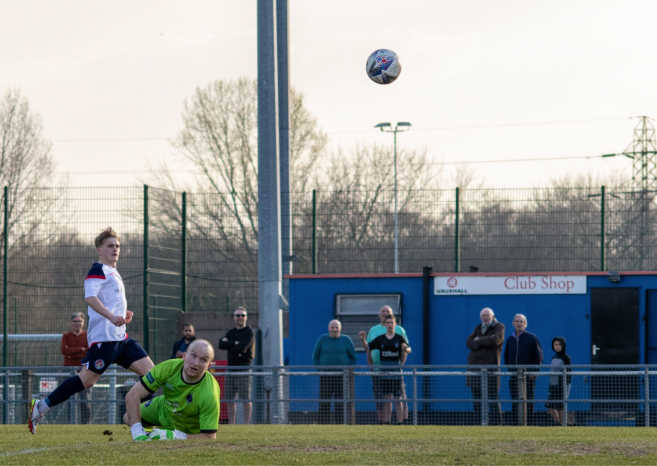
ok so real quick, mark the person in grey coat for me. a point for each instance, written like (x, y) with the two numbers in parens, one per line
(485, 345)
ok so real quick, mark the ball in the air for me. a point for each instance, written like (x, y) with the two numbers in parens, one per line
(383, 66)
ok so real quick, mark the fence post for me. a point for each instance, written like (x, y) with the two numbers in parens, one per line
(16, 330)
(72, 406)
(112, 395)
(646, 396)
(564, 387)
(345, 395)
(522, 396)
(484, 397)
(146, 293)
(352, 396)
(414, 396)
(602, 229)
(26, 393)
(314, 252)
(183, 253)
(276, 395)
(457, 258)
(5, 334)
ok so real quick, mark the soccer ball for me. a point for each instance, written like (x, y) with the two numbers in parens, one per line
(383, 66)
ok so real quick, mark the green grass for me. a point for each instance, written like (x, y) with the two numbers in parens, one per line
(87, 445)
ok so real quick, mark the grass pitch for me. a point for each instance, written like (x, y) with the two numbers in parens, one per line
(90, 445)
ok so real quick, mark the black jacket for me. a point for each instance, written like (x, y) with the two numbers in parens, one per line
(239, 354)
(177, 345)
(524, 350)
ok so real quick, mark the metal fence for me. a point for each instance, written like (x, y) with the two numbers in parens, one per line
(428, 395)
(196, 252)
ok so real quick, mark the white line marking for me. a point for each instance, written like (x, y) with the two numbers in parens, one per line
(39, 450)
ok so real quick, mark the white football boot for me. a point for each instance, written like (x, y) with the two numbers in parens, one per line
(34, 417)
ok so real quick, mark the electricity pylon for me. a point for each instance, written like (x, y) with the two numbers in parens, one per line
(643, 152)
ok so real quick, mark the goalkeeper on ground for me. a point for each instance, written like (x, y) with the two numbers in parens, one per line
(189, 407)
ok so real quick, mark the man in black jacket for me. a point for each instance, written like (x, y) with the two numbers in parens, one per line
(180, 346)
(239, 343)
(522, 348)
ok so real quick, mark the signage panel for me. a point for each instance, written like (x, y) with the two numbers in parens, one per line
(510, 284)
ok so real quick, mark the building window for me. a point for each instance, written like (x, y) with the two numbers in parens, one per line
(358, 312)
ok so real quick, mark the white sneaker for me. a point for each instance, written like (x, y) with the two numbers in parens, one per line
(34, 417)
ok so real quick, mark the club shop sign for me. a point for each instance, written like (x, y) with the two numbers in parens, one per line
(512, 284)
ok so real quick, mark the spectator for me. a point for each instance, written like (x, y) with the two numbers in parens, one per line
(393, 351)
(74, 348)
(239, 343)
(485, 345)
(560, 362)
(180, 347)
(522, 348)
(333, 349)
(365, 340)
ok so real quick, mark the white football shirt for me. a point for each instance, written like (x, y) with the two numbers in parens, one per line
(105, 283)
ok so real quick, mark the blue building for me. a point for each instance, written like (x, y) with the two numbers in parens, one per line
(606, 318)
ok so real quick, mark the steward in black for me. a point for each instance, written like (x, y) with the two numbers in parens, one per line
(241, 353)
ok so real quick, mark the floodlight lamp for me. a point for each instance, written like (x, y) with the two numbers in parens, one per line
(383, 125)
(404, 124)
(614, 277)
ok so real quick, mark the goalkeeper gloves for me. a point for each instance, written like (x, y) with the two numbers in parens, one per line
(166, 434)
(138, 433)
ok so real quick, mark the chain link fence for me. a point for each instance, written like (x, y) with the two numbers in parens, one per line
(420, 395)
(197, 252)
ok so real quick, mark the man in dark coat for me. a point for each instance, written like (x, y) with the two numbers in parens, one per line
(485, 345)
(180, 346)
(239, 344)
(522, 348)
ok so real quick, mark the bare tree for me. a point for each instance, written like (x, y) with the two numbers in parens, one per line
(26, 166)
(356, 206)
(219, 139)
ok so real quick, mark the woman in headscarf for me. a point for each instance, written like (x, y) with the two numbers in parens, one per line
(560, 363)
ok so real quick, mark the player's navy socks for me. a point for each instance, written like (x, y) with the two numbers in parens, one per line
(67, 389)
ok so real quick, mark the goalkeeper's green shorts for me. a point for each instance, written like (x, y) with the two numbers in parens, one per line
(154, 413)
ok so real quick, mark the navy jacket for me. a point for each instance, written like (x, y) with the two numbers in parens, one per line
(178, 344)
(523, 350)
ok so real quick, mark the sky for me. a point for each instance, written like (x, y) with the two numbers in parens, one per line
(482, 81)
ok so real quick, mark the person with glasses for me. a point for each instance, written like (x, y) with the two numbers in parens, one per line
(74, 348)
(239, 343)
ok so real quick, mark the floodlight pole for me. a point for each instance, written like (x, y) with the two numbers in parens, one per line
(381, 126)
(396, 213)
(269, 219)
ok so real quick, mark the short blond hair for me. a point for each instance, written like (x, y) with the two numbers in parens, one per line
(106, 234)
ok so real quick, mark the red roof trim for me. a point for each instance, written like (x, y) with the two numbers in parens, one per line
(461, 274)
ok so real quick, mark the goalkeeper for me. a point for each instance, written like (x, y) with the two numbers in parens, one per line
(189, 407)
